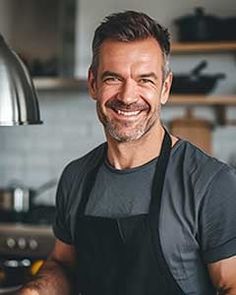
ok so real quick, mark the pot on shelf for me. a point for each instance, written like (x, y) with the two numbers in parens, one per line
(16, 200)
(228, 32)
(198, 26)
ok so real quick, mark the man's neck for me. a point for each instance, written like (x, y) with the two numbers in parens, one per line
(124, 155)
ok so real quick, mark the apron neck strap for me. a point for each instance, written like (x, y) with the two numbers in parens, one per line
(89, 180)
(159, 177)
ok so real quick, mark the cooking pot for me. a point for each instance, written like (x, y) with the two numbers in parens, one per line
(18, 199)
(228, 26)
(195, 82)
(198, 26)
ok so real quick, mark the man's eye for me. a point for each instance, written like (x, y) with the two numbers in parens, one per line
(145, 81)
(111, 80)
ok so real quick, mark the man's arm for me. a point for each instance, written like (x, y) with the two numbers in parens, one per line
(57, 274)
(223, 275)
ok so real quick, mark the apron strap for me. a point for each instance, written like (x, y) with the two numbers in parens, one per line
(159, 177)
(89, 182)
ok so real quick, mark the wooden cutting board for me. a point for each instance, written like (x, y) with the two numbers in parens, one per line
(196, 130)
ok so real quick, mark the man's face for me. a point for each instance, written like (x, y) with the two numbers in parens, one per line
(129, 88)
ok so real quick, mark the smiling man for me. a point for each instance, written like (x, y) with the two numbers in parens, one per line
(145, 213)
(127, 72)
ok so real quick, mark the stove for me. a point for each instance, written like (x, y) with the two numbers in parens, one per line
(24, 245)
(25, 240)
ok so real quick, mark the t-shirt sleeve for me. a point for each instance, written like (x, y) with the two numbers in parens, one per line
(218, 217)
(61, 226)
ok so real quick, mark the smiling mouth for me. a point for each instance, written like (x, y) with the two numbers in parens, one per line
(127, 113)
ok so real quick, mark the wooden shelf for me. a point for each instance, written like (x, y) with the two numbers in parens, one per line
(219, 103)
(202, 100)
(51, 83)
(195, 47)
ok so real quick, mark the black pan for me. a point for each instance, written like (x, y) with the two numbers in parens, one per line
(195, 82)
(204, 84)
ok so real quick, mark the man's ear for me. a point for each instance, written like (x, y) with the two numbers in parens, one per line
(92, 84)
(165, 92)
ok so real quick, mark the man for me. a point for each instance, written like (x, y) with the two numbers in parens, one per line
(145, 213)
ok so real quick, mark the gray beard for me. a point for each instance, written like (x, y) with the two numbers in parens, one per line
(111, 128)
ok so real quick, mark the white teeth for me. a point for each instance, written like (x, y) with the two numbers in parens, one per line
(127, 113)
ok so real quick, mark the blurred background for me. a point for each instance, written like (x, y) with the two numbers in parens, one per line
(54, 40)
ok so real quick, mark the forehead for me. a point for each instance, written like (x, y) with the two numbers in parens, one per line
(120, 54)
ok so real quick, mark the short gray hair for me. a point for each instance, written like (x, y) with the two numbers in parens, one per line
(130, 26)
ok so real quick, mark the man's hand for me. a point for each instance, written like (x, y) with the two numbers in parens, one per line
(56, 275)
(28, 292)
(223, 275)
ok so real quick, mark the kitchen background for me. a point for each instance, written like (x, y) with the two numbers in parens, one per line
(54, 37)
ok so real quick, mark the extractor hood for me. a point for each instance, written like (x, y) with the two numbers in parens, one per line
(18, 99)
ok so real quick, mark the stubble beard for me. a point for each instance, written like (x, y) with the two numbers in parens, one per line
(112, 128)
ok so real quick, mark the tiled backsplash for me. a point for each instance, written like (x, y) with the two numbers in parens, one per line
(33, 155)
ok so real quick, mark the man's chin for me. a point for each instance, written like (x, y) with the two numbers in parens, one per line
(124, 137)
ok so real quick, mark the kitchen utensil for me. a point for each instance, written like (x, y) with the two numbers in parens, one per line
(18, 199)
(195, 82)
(198, 26)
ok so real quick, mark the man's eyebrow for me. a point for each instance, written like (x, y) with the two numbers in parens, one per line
(110, 74)
(149, 75)
(116, 75)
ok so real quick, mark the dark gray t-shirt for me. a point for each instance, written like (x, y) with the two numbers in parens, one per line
(198, 209)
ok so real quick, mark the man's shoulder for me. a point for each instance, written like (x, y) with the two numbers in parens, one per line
(196, 158)
(201, 167)
(86, 162)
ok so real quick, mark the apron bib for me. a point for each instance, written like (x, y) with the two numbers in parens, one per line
(123, 256)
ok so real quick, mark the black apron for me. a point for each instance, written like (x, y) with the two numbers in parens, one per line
(123, 256)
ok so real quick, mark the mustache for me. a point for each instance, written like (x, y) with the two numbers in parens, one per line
(118, 104)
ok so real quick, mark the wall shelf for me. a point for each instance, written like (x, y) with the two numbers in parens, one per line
(49, 83)
(59, 84)
(202, 100)
(219, 103)
(198, 47)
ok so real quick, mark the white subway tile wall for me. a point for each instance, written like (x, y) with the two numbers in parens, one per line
(32, 155)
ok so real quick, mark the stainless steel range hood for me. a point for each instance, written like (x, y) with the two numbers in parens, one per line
(18, 99)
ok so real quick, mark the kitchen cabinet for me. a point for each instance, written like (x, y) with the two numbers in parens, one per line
(45, 35)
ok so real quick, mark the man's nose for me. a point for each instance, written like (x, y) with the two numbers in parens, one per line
(128, 92)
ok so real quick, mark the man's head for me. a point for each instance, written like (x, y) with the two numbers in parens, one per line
(130, 26)
(129, 77)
